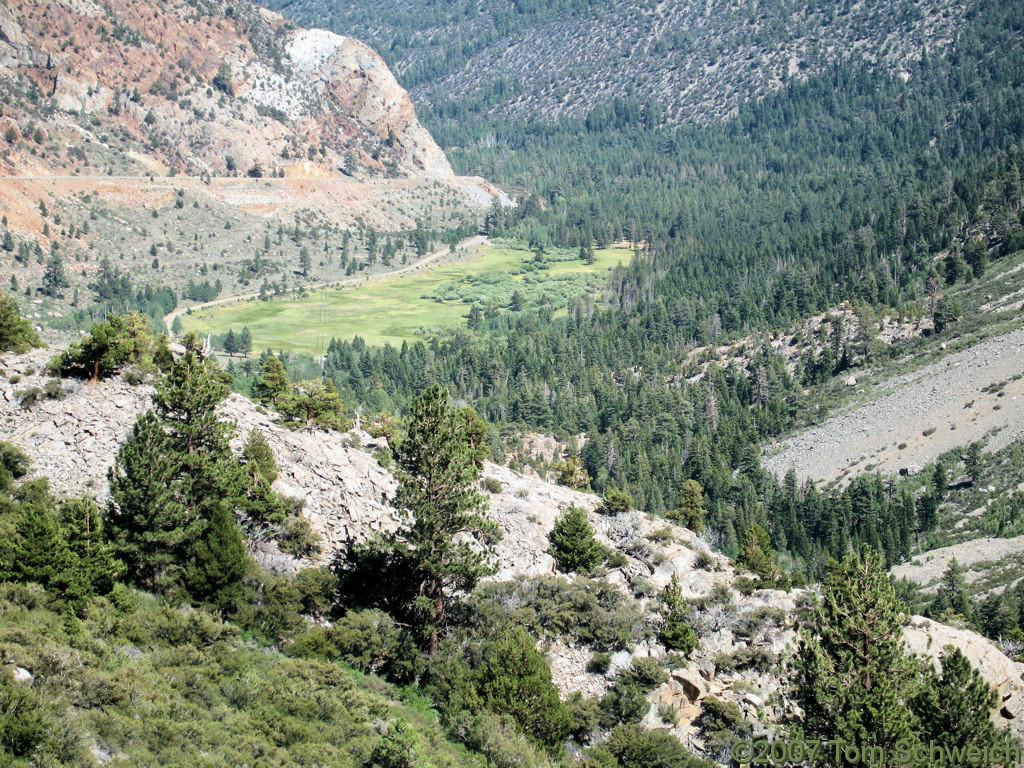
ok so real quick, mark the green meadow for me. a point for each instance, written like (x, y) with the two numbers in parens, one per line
(413, 305)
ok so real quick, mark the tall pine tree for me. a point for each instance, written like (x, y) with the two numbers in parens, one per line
(436, 472)
(175, 486)
(853, 677)
(955, 709)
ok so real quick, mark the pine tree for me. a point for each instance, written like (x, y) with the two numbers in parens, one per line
(272, 383)
(186, 401)
(691, 510)
(756, 553)
(615, 502)
(676, 633)
(54, 278)
(475, 429)
(954, 709)
(84, 530)
(951, 599)
(16, 333)
(436, 474)
(258, 456)
(940, 481)
(150, 525)
(572, 542)
(175, 486)
(218, 561)
(111, 345)
(40, 551)
(230, 342)
(972, 462)
(515, 679)
(853, 678)
(313, 404)
(245, 342)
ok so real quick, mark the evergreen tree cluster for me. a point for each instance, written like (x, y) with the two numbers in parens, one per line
(59, 544)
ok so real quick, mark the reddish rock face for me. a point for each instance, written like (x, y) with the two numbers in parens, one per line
(202, 93)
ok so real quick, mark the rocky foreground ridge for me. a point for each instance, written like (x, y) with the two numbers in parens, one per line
(744, 638)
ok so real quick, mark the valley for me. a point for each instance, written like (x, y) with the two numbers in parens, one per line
(396, 307)
(508, 384)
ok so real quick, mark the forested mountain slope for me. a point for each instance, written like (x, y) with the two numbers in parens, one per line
(685, 60)
(262, 679)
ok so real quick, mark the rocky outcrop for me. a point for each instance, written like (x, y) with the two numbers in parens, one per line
(930, 639)
(15, 47)
(905, 429)
(215, 91)
(351, 76)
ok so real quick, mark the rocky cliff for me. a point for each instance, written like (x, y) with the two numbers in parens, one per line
(201, 88)
(746, 638)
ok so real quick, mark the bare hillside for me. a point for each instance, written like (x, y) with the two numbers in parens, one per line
(955, 401)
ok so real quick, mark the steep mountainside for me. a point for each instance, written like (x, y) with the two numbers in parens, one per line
(693, 60)
(201, 89)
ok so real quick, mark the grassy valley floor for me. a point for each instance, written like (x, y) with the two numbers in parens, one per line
(411, 306)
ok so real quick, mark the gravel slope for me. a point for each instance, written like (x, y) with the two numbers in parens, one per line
(934, 397)
(926, 569)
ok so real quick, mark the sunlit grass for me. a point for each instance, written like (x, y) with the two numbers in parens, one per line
(389, 310)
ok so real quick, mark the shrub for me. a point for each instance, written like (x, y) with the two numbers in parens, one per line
(572, 542)
(492, 485)
(751, 657)
(638, 747)
(647, 672)
(498, 738)
(298, 538)
(624, 703)
(661, 536)
(383, 456)
(599, 663)
(746, 585)
(722, 723)
(369, 640)
(668, 714)
(749, 623)
(615, 502)
(586, 611)
(615, 559)
(706, 561)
